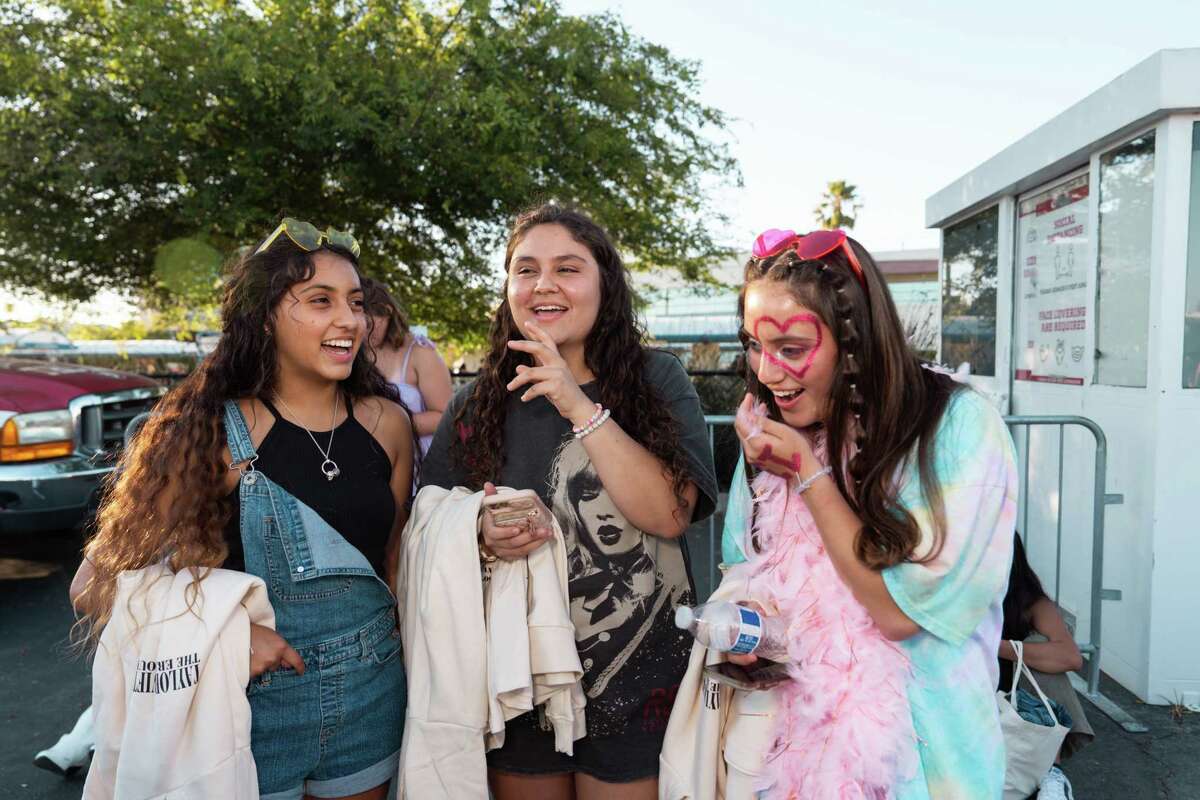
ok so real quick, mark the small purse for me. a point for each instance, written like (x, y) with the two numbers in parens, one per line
(1030, 748)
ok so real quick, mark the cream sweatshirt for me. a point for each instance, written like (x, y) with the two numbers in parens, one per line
(476, 659)
(169, 688)
(717, 736)
(543, 666)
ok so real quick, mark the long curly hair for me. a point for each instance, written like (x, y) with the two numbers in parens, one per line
(165, 500)
(613, 352)
(882, 402)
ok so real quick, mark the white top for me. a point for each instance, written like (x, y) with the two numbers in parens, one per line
(409, 393)
(169, 688)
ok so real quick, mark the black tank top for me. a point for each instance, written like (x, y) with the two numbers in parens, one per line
(358, 503)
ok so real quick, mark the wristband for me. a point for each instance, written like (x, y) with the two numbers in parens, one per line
(806, 484)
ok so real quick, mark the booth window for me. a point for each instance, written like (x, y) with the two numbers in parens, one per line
(1191, 309)
(1123, 291)
(969, 261)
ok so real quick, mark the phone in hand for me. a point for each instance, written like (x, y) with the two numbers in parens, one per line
(513, 507)
(762, 674)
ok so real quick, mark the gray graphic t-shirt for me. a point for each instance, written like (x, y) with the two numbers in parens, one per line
(624, 584)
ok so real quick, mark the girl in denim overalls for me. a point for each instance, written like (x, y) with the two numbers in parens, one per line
(286, 455)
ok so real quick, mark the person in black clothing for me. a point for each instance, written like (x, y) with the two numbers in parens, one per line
(1031, 617)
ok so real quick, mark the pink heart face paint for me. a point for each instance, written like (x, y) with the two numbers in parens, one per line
(808, 326)
(790, 350)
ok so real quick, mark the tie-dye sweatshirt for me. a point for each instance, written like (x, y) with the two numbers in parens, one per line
(955, 598)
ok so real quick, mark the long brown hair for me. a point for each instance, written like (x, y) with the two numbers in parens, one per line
(882, 402)
(165, 499)
(380, 303)
(613, 352)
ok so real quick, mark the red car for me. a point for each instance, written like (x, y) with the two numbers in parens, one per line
(62, 427)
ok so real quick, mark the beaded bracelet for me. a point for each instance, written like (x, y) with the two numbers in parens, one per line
(595, 416)
(591, 428)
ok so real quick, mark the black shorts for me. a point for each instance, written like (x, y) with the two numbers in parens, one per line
(529, 750)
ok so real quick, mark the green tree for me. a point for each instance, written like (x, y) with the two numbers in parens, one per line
(839, 205)
(421, 128)
(968, 324)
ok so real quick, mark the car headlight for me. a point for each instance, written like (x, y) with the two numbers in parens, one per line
(39, 435)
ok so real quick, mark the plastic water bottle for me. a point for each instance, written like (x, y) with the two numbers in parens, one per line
(732, 628)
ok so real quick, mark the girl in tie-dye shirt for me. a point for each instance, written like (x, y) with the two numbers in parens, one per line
(879, 522)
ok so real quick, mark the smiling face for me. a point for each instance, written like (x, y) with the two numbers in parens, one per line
(791, 351)
(555, 281)
(319, 323)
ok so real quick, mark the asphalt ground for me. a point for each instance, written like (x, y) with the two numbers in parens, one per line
(43, 688)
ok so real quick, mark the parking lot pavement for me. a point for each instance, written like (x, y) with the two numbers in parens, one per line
(1162, 764)
(43, 689)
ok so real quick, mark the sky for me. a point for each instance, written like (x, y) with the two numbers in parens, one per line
(897, 98)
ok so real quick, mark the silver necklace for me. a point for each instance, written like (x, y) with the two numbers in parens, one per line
(329, 467)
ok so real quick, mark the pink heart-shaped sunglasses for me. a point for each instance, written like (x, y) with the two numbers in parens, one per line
(808, 246)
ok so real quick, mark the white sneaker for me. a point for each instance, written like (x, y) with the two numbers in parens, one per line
(70, 754)
(1055, 786)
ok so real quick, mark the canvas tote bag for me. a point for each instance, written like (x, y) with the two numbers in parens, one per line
(1030, 748)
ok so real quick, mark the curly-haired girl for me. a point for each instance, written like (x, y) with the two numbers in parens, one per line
(567, 354)
(285, 455)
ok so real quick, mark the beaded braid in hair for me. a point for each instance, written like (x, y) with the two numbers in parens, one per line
(848, 342)
(885, 402)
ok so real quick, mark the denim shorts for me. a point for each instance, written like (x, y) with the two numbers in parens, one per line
(336, 729)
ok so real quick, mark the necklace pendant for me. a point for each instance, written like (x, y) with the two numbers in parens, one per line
(330, 469)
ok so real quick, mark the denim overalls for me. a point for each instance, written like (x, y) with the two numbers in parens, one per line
(335, 730)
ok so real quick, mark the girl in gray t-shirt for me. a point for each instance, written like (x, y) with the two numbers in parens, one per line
(612, 438)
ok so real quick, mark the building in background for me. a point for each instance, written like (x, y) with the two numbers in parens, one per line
(1070, 274)
(681, 317)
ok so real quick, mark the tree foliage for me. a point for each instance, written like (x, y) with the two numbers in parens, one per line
(131, 124)
(969, 284)
(839, 205)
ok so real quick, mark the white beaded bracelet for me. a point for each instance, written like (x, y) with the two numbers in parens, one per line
(592, 426)
(595, 416)
(806, 484)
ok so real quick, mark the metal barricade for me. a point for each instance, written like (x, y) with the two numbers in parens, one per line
(1090, 684)
(714, 421)
(1090, 648)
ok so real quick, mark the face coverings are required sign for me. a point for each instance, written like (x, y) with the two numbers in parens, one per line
(1052, 325)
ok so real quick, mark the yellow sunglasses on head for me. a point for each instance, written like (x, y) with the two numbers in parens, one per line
(306, 236)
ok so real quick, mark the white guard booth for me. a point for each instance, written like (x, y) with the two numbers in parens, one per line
(1070, 276)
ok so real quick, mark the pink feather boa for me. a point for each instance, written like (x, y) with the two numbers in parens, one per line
(844, 729)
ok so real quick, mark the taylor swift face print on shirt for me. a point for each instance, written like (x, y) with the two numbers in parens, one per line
(621, 581)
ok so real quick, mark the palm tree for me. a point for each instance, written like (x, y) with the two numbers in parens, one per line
(838, 206)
